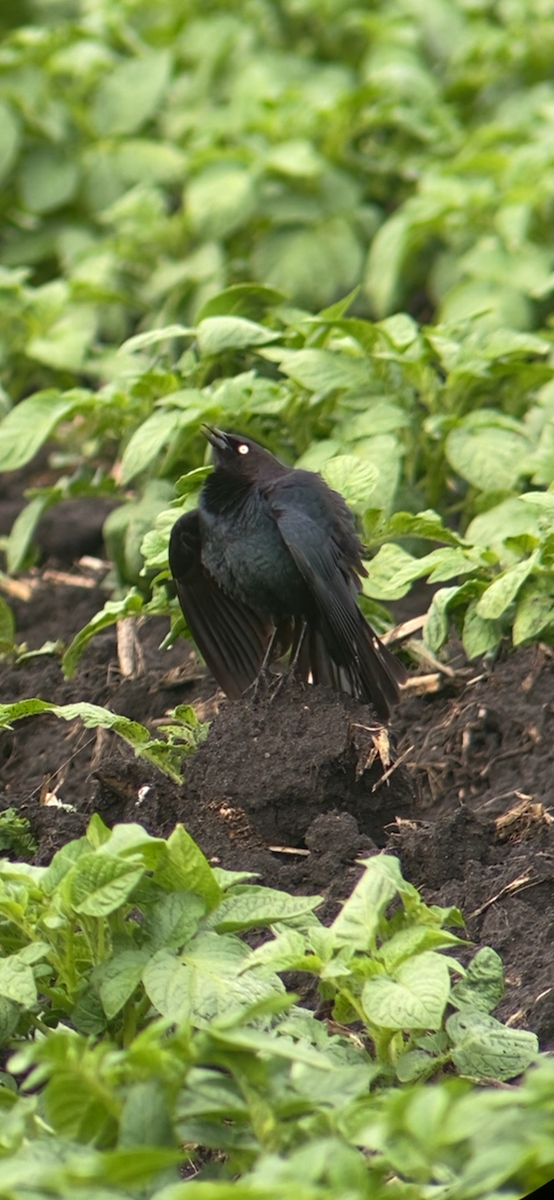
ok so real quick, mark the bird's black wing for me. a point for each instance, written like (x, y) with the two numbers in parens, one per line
(231, 638)
(360, 663)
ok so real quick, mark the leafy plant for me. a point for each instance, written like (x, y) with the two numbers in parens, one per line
(111, 911)
(388, 972)
(183, 735)
(142, 1023)
(103, 965)
(15, 834)
(501, 572)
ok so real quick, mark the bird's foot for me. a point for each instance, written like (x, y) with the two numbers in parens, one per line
(268, 685)
(291, 675)
(262, 685)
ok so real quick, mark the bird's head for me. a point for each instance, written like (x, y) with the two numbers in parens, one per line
(240, 456)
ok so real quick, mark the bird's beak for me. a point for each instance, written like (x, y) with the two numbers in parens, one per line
(216, 438)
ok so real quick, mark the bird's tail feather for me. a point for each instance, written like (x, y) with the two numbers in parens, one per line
(373, 674)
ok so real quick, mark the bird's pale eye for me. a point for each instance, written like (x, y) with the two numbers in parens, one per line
(242, 449)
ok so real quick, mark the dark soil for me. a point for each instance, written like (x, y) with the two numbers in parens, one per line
(299, 787)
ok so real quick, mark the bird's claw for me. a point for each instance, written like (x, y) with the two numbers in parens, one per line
(291, 675)
(263, 683)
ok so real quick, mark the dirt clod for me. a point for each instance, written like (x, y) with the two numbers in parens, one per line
(287, 760)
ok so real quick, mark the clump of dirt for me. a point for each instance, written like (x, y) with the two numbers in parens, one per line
(300, 787)
(285, 760)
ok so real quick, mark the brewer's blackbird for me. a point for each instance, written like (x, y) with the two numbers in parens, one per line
(270, 561)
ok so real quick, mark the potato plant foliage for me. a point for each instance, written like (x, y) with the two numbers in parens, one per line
(148, 1033)
(189, 190)
(326, 224)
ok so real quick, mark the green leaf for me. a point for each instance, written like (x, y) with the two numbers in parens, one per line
(490, 457)
(390, 573)
(207, 982)
(131, 92)
(406, 943)
(544, 500)
(167, 986)
(147, 441)
(415, 999)
(7, 624)
(260, 906)
(483, 984)
(312, 262)
(450, 563)
(359, 917)
(76, 1109)
(427, 524)
(192, 481)
(222, 199)
(113, 611)
(285, 952)
(142, 341)
(393, 568)
(94, 716)
(25, 429)
(154, 547)
(401, 330)
(502, 521)
(22, 531)
(483, 1048)
(62, 862)
(173, 919)
(435, 631)
(318, 454)
(144, 1122)
(17, 981)
(66, 342)
(322, 370)
(385, 263)
(9, 1018)
(402, 569)
(34, 952)
(492, 304)
(414, 1064)
(500, 594)
(88, 1015)
(354, 479)
(119, 978)
(217, 334)
(97, 832)
(479, 635)
(48, 178)
(249, 300)
(381, 416)
(98, 885)
(131, 839)
(384, 453)
(335, 312)
(132, 1166)
(535, 610)
(10, 136)
(296, 157)
(187, 869)
(142, 160)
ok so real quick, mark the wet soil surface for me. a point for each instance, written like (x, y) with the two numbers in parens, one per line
(299, 787)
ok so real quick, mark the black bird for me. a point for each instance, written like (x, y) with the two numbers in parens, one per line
(270, 561)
